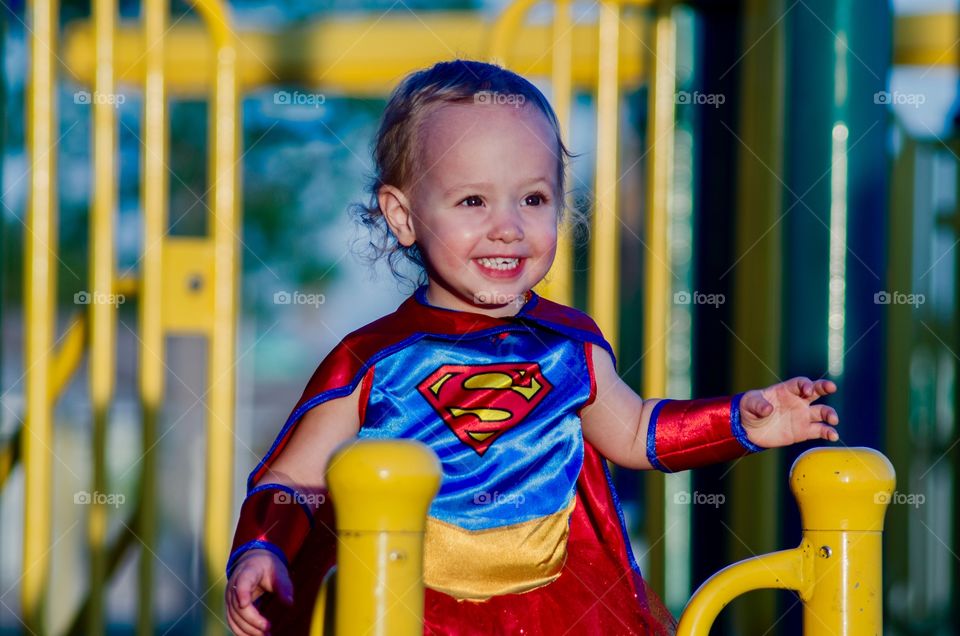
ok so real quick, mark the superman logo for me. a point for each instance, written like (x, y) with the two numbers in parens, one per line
(480, 402)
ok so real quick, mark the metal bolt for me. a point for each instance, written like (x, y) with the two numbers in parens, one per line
(825, 552)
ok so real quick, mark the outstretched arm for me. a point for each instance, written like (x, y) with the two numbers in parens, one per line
(618, 421)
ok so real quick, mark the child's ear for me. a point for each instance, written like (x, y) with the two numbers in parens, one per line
(396, 210)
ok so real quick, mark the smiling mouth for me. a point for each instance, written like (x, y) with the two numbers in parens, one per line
(499, 263)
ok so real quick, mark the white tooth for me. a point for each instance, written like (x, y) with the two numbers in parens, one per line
(499, 263)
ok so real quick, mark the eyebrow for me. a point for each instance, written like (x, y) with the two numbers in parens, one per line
(484, 184)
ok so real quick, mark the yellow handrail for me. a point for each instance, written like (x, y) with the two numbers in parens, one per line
(381, 492)
(384, 489)
(843, 494)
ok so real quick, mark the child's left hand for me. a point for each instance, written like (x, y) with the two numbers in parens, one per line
(782, 414)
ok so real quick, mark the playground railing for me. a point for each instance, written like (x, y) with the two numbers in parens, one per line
(382, 490)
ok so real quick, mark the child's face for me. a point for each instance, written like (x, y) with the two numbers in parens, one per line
(484, 208)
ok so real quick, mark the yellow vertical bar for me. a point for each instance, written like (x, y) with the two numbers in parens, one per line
(152, 350)
(224, 147)
(657, 257)
(559, 283)
(604, 294)
(39, 292)
(847, 597)
(381, 492)
(102, 312)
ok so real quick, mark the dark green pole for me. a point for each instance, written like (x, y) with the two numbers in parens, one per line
(835, 197)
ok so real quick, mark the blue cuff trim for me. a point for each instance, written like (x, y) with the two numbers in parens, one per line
(736, 426)
(652, 437)
(295, 496)
(250, 545)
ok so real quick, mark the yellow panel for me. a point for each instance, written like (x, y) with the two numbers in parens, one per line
(188, 285)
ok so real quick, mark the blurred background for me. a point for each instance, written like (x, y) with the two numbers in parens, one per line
(772, 186)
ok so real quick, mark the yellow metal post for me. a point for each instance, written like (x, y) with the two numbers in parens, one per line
(381, 492)
(604, 288)
(558, 285)
(152, 346)
(103, 302)
(843, 495)
(40, 284)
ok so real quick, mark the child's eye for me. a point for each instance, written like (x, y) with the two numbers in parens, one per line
(474, 198)
(539, 198)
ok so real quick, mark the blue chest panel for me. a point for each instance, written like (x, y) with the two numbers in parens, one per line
(500, 410)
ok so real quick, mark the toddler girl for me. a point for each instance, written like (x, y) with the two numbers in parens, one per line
(517, 395)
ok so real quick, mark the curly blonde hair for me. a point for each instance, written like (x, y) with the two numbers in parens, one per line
(397, 140)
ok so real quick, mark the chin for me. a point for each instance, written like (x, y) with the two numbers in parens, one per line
(496, 297)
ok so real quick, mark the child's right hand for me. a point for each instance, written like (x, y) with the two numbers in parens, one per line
(258, 571)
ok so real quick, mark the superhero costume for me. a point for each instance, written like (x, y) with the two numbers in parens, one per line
(526, 534)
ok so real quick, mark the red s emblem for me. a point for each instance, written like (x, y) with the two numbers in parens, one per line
(479, 402)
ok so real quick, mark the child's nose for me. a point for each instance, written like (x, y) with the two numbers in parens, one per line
(506, 226)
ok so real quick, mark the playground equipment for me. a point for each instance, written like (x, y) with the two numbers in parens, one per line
(843, 495)
(187, 285)
(384, 490)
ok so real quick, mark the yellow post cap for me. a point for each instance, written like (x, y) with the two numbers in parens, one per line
(842, 488)
(383, 485)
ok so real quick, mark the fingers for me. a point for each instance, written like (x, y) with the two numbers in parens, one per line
(824, 387)
(245, 621)
(284, 588)
(823, 431)
(824, 413)
(240, 608)
(810, 390)
(243, 624)
(755, 404)
(801, 386)
(248, 620)
(244, 586)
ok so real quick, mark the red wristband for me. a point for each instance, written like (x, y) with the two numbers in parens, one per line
(686, 434)
(277, 518)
